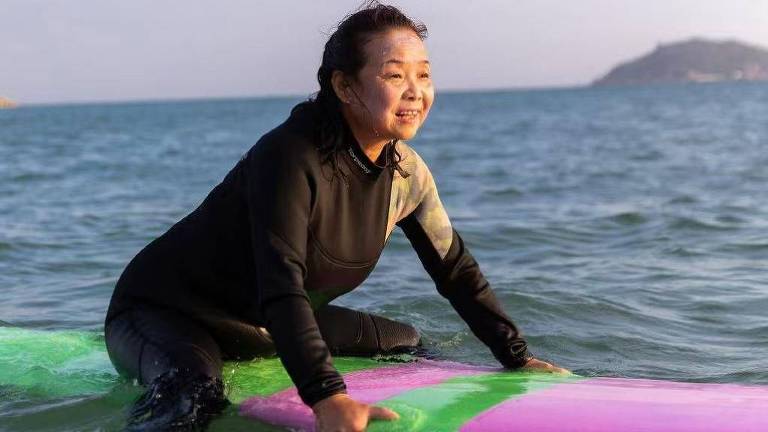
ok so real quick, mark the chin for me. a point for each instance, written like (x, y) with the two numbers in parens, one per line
(406, 134)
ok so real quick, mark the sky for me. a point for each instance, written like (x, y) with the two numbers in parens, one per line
(54, 51)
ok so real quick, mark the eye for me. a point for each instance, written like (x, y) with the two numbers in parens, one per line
(425, 75)
(394, 76)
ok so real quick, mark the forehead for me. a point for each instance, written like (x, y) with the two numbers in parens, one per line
(399, 44)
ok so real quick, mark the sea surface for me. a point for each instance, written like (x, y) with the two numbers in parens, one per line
(624, 230)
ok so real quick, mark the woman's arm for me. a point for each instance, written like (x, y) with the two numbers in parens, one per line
(456, 273)
(279, 193)
(458, 278)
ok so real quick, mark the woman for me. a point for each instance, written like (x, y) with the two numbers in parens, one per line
(301, 219)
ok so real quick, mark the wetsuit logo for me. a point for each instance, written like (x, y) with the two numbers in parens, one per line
(358, 161)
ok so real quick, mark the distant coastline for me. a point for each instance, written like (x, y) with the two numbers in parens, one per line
(692, 61)
(6, 103)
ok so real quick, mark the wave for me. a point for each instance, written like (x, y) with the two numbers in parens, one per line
(628, 218)
(693, 224)
(504, 192)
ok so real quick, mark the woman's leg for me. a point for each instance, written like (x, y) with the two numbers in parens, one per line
(350, 332)
(345, 331)
(177, 358)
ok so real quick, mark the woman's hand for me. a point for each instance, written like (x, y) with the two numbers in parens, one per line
(536, 365)
(341, 413)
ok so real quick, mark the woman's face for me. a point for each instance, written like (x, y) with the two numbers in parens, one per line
(391, 95)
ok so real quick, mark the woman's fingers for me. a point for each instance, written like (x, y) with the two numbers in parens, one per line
(342, 413)
(381, 413)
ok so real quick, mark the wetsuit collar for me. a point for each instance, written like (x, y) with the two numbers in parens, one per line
(353, 154)
(359, 160)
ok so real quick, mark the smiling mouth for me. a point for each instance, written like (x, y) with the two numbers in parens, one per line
(407, 114)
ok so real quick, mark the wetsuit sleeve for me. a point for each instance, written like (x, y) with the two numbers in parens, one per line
(279, 196)
(458, 277)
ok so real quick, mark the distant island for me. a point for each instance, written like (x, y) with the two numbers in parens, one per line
(694, 60)
(7, 103)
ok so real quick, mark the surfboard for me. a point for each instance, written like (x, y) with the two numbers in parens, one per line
(429, 395)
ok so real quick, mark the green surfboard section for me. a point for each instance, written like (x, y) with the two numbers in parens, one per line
(42, 363)
(264, 377)
(450, 404)
(54, 364)
(46, 365)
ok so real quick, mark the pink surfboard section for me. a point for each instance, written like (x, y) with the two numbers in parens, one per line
(616, 404)
(286, 408)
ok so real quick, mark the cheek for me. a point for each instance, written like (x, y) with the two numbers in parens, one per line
(429, 97)
(391, 96)
(386, 101)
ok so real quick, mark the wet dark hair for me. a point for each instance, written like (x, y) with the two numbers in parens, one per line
(344, 52)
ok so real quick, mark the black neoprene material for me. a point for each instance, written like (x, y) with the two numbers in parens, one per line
(180, 359)
(145, 342)
(282, 236)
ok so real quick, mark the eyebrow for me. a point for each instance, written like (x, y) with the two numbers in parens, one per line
(402, 62)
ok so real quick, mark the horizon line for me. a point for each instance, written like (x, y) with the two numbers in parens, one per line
(22, 104)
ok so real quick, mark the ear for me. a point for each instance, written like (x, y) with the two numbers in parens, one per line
(340, 86)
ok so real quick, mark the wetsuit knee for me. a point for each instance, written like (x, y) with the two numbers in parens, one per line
(178, 360)
(395, 336)
(145, 342)
(351, 332)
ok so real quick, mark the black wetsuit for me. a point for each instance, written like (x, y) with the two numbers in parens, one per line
(275, 241)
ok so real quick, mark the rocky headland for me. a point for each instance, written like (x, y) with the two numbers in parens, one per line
(694, 60)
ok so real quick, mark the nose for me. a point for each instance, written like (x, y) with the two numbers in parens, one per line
(413, 91)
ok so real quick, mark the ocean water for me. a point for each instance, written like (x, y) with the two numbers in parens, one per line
(624, 230)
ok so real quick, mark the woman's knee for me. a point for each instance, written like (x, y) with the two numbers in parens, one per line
(394, 335)
(146, 343)
(178, 361)
(351, 332)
